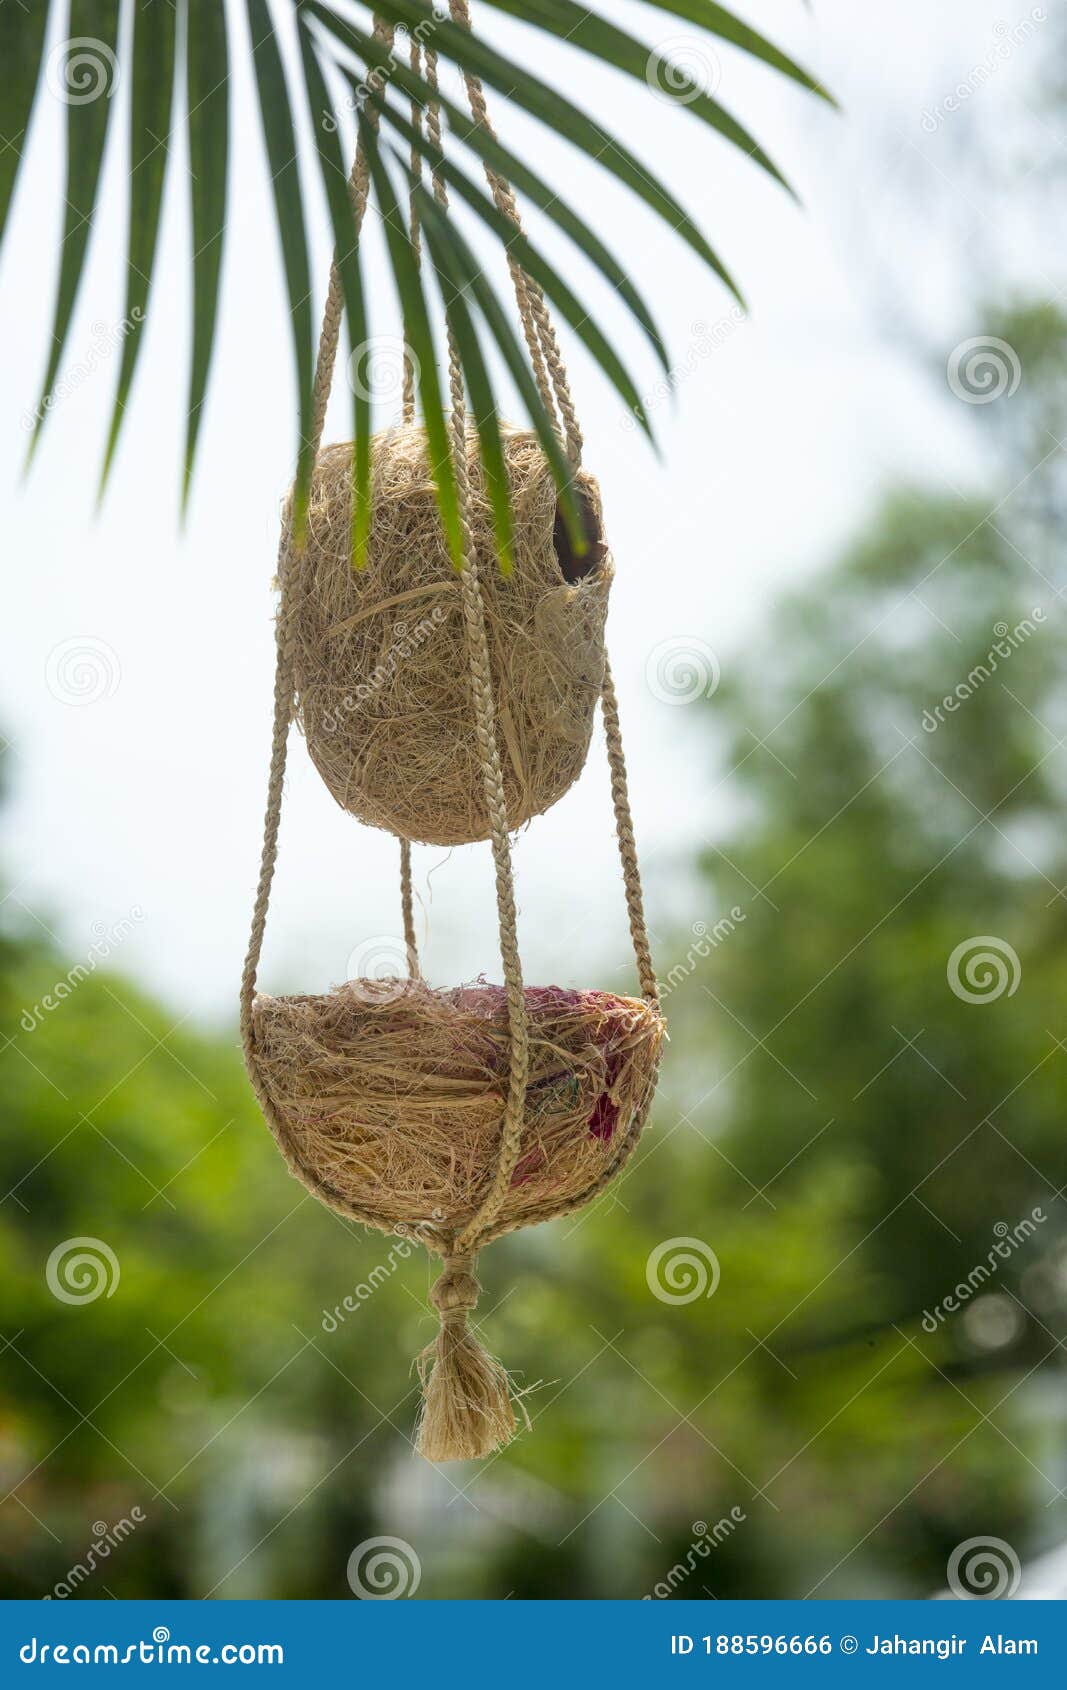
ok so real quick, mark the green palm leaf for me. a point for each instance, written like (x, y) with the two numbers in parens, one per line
(581, 28)
(419, 335)
(715, 20)
(335, 179)
(557, 112)
(99, 55)
(508, 165)
(516, 243)
(21, 42)
(471, 278)
(154, 29)
(207, 99)
(278, 133)
(483, 405)
(91, 75)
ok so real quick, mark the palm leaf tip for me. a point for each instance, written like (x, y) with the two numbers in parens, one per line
(361, 501)
(299, 501)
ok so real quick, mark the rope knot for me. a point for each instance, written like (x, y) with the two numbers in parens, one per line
(467, 1410)
(457, 1291)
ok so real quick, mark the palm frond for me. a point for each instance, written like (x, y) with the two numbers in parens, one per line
(118, 51)
(153, 62)
(507, 164)
(498, 324)
(592, 34)
(516, 243)
(282, 157)
(706, 16)
(483, 404)
(557, 113)
(88, 75)
(22, 36)
(336, 185)
(207, 79)
(419, 336)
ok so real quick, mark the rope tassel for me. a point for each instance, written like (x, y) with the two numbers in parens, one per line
(467, 1408)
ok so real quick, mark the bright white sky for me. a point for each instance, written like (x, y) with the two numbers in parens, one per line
(777, 444)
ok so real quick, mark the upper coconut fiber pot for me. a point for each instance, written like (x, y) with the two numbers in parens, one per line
(381, 665)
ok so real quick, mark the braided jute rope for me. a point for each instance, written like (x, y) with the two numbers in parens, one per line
(467, 1400)
(408, 414)
(469, 1408)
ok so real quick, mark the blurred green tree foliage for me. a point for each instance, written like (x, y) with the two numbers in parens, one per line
(845, 1132)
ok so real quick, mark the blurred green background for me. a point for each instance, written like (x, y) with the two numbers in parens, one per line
(849, 1134)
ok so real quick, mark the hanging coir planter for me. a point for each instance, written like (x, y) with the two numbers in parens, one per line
(390, 1095)
(379, 655)
(454, 1115)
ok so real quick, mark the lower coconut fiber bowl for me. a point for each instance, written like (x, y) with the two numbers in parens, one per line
(389, 1097)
